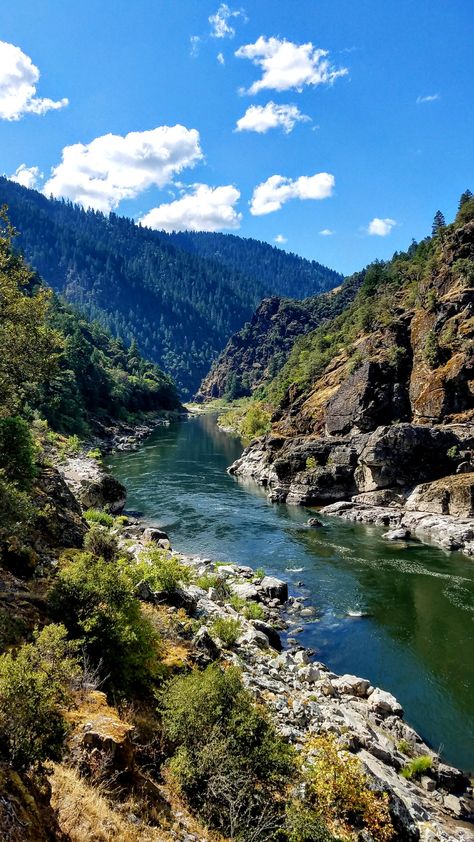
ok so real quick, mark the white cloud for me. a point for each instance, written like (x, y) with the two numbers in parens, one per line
(111, 168)
(261, 118)
(380, 227)
(429, 98)
(287, 65)
(195, 41)
(205, 209)
(280, 239)
(326, 232)
(220, 21)
(26, 176)
(271, 194)
(220, 58)
(18, 80)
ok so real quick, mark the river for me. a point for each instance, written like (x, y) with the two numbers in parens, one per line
(418, 638)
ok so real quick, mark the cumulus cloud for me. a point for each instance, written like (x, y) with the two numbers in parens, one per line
(326, 232)
(26, 176)
(428, 98)
(261, 118)
(205, 209)
(280, 239)
(286, 65)
(220, 21)
(271, 194)
(18, 80)
(380, 227)
(111, 168)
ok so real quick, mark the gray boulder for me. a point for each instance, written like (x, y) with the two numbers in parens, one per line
(274, 588)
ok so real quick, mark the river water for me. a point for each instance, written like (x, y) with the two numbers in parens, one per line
(418, 638)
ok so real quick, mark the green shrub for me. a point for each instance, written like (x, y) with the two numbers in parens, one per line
(94, 454)
(453, 452)
(226, 757)
(405, 747)
(213, 580)
(162, 571)
(96, 516)
(304, 824)
(253, 611)
(16, 510)
(260, 573)
(227, 630)
(95, 600)
(417, 767)
(35, 685)
(101, 542)
(431, 351)
(121, 520)
(311, 463)
(17, 451)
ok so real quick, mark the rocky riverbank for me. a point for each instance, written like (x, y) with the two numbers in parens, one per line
(418, 478)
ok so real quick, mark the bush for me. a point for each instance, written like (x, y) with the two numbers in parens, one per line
(417, 767)
(227, 630)
(35, 686)
(95, 600)
(213, 580)
(338, 790)
(256, 421)
(304, 824)
(96, 516)
(253, 611)
(101, 543)
(17, 451)
(227, 759)
(162, 571)
(431, 351)
(16, 510)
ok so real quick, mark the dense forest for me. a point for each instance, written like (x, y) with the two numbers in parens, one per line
(179, 306)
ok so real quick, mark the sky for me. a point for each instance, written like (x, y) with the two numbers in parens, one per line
(331, 129)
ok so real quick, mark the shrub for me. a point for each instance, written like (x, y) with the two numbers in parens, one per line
(95, 600)
(338, 790)
(35, 685)
(162, 571)
(256, 421)
(227, 759)
(417, 767)
(17, 452)
(16, 510)
(311, 463)
(213, 580)
(96, 516)
(304, 824)
(94, 454)
(253, 611)
(431, 351)
(101, 543)
(227, 630)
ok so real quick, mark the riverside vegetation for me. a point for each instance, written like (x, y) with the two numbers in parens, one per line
(189, 735)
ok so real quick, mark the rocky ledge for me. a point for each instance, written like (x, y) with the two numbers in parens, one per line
(416, 477)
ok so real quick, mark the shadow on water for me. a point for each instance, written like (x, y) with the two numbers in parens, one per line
(418, 638)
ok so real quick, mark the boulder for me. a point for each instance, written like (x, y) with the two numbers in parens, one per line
(272, 634)
(315, 523)
(384, 703)
(451, 495)
(26, 814)
(151, 533)
(274, 588)
(205, 645)
(245, 590)
(400, 534)
(103, 492)
(59, 522)
(352, 685)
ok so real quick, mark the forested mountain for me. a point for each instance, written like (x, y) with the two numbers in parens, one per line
(281, 272)
(179, 306)
(258, 351)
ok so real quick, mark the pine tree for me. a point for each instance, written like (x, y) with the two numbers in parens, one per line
(464, 197)
(439, 223)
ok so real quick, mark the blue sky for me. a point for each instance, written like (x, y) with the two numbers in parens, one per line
(371, 136)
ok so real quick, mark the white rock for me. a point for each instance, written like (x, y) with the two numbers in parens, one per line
(384, 703)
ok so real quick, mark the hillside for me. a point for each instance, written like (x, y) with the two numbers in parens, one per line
(179, 306)
(258, 351)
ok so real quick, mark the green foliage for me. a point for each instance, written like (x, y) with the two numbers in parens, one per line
(253, 611)
(94, 454)
(432, 351)
(227, 759)
(466, 210)
(396, 356)
(213, 580)
(405, 747)
(101, 542)
(95, 600)
(311, 463)
(17, 451)
(417, 767)
(97, 516)
(439, 223)
(35, 686)
(260, 573)
(228, 630)
(162, 570)
(304, 824)
(453, 452)
(179, 295)
(16, 510)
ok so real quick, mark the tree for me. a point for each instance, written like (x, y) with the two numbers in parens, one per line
(464, 197)
(439, 223)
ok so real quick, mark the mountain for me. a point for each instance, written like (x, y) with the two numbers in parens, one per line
(258, 351)
(179, 305)
(376, 406)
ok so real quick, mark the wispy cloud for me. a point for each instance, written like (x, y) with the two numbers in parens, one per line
(280, 239)
(195, 41)
(271, 194)
(220, 58)
(428, 98)
(380, 227)
(18, 80)
(286, 65)
(326, 232)
(221, 21)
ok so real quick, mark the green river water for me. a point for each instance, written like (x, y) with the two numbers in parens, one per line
(418, 638)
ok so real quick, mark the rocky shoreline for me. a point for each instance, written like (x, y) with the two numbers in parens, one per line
(418, 478)
(303, 696)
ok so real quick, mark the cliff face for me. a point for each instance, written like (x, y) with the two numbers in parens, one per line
(256, 353)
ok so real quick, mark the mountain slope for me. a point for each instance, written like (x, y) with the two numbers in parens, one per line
(258, 351)
(180, 307)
